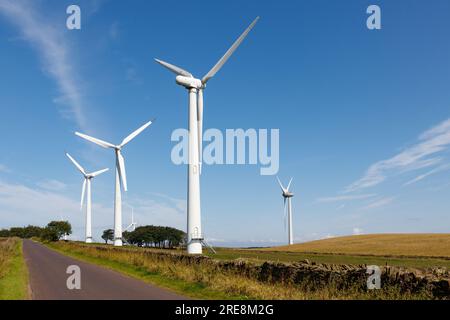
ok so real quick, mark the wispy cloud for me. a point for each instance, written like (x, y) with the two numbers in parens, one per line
(345, 198)
(22, 205)
(379, 203)
(357, 231)
(52, 185)
(421, 155)
(427, 174)
(53, 50)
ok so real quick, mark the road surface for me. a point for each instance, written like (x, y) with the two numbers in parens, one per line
(48, 279)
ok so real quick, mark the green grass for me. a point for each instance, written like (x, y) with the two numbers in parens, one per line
(14, 276)
(187, 289)
(328, 258)
(199, 278)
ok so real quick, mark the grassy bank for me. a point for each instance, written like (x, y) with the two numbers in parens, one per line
(13, 271)
(202, 279)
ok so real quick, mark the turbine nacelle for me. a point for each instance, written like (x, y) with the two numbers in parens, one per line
(287, 194)
(189, 83)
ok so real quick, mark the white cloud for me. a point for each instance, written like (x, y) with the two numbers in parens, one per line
(345, 198)
(22, 205)
(52, 185)
(379, 203)
(420, 155)
(357, 231)
(427, 174)
(53, 49)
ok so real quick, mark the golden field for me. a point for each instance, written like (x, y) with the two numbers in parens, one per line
(411, 245)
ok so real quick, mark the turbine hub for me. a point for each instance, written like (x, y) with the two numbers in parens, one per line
(189, 83)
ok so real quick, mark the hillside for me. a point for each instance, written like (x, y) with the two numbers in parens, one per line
(415, 245)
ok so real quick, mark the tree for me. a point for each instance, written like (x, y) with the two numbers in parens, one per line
(155, 236)
(32, 231)
(4, 233)
(61, 228)
(108, 235)
(50, 234)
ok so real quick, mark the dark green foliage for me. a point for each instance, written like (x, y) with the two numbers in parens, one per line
(24, 233)
(50, 234)
(53, 232)
(60, 228)
(108, 235)
(155, 236)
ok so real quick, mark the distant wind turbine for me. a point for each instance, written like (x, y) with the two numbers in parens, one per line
(133, 224)
(195, 87)
(287, 195)
(121, 178)
(86, 185)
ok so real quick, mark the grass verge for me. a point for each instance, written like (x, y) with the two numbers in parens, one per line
(188, 289)
(13, 271)
(202, 279)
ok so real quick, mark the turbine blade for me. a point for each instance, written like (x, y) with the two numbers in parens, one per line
(122, 172)
(175, 69)
(289, 185)
(281, 186)
(76, 164)
(135, 133)
(97, 173)
(228, 54)
(83, 191)
(99, 142)
(285, 215)
(200, 128)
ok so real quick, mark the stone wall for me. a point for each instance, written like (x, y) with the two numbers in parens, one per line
(309, 275)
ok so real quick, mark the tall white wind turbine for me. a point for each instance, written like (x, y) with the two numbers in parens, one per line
(121, 178)
(287, 196)
(86, 187)
(195, 87)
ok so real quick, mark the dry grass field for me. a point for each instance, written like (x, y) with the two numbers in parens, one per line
(401, 245)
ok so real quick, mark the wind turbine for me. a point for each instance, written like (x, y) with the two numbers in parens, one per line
(133, 224)
(121, 178)
(195, 87)
(287, 195)
(86, 185)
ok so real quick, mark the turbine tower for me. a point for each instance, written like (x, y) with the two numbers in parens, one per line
(287, 196)
(86, 185)
(121, 178)
(195, 88)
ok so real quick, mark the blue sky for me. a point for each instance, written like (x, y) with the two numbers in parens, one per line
(363, 115)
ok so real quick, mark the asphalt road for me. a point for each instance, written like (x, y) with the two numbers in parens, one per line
(48, 279)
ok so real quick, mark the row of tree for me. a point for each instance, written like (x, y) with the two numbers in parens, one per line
(54, 231)
(145, 236)
(150, 236)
